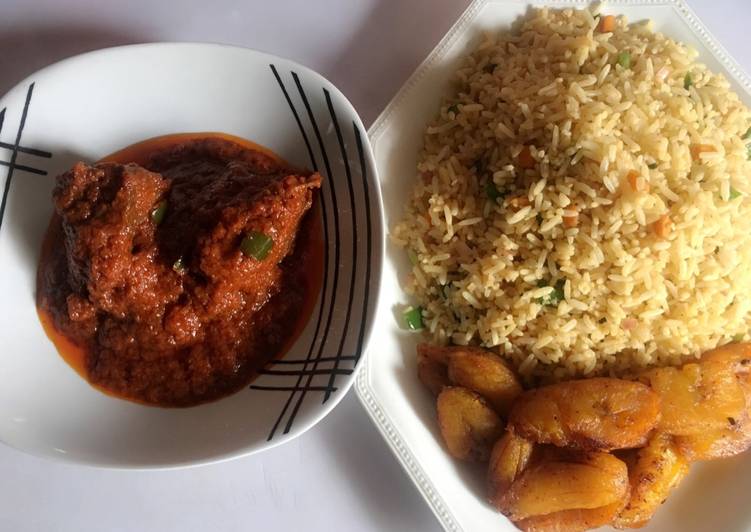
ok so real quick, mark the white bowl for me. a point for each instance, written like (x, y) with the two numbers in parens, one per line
(88, 106)
(713, 497)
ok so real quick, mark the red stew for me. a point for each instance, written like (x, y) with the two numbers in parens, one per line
(174, 270)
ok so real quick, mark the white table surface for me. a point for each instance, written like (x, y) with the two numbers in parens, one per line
(340, 475)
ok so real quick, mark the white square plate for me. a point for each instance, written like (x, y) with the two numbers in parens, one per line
(713, 497)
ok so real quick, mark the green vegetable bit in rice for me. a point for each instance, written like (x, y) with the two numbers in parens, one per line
(413, 318)
(555, 296)
(565, 124)
(688, 80)
(624, 59)
(492, 191)
(412, 256)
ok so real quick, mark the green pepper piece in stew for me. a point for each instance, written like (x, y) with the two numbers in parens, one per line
(256, 245)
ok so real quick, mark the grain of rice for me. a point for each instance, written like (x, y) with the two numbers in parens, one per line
(519, 215)
(470, 221)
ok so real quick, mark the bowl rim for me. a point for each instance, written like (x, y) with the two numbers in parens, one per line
(378, 251)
